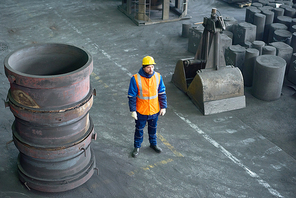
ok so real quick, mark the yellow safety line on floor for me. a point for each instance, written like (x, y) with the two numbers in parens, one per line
(148, 167)
(165, 142)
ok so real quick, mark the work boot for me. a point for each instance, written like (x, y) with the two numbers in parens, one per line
(156, 148)
(135, 152)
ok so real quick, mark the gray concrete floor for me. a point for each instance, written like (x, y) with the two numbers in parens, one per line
(248, 152)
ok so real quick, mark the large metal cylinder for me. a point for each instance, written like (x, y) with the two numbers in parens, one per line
(259, 21)
(268, 77)
(273, 27)
(282, 36)
(250, 12)
(250, 58)
(268, 50)
(269, 20)
(50, 96)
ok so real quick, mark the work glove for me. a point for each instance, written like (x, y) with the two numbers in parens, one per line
(134, 115)
(162, 112)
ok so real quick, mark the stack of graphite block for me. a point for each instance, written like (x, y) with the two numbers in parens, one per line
(269, 29)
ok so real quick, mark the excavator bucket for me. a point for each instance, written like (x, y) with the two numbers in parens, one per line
(212, 86)
(185, 72)
(215, 91)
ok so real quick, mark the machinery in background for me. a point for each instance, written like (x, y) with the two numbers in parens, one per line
(239, 3)
(146, 12)
(212, 86)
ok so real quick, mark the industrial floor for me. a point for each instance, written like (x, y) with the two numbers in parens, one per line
(249, 152)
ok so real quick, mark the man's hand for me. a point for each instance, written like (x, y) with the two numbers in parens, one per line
(162, 112)
(134, 115)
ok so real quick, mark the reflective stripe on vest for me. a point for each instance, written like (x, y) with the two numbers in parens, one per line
(147, 97)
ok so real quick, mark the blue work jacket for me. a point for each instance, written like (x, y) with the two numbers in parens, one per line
(133, 92)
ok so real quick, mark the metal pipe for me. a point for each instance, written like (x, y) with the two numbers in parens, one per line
(50, 96)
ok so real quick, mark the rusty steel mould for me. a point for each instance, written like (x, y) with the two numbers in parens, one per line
(50, 96)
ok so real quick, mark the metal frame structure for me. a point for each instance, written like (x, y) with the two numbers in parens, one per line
(142, 13)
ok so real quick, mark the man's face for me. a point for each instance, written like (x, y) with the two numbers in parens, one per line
(149, 69)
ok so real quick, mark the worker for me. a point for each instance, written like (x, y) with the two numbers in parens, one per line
(147, 100)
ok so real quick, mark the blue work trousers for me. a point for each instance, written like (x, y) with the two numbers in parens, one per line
(140, 125)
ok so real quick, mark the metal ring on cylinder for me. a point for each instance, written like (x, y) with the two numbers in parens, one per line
(50, 96)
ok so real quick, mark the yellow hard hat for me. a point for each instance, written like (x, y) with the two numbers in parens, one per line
(148, 60)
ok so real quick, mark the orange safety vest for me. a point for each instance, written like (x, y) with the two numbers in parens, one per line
(147, 97)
